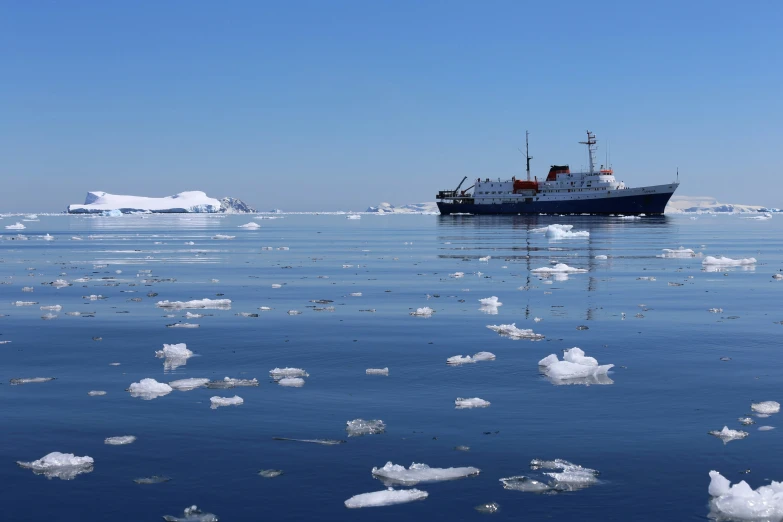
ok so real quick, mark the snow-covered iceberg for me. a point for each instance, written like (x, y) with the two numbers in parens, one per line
(149, 389)
(175, 355)
(396, 474)
(64, 466)
(741, 502)
(467, 359)
(727, 435)
(727, 261)
(575, 368)
(217, 402)
(386, 497)
(184, 202)
(511, 330)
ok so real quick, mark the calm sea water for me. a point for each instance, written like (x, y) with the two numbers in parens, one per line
(646, 433)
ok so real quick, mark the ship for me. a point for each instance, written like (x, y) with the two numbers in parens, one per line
(595, 191)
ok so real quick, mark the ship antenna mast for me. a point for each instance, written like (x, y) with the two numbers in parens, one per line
(527, 154)
(590, 149)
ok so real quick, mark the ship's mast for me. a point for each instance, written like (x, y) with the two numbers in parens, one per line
(527, 154)
(590, 149)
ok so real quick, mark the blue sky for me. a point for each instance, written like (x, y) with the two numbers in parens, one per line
(322, 105)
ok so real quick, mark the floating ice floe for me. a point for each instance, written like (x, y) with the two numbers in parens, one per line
(763, 217)
(30, 380)
(766, 428)
(270, 473)
(777, 276)
(467, 359)
(55, 308)
(565, 476)
(282, 373)
(64, 466)
(155, 479)
(423, 312)
(629, 217)
(356, 294)
(49, 316)
(251, 226)
(727, 261)
(222, 236)
(31, 289)
(561, 232)
(765, 407)
(475, 402)
(294, 312)
(120, 441)
(188, 384)
(190, 315)
(182, 325)
(485, 258)
(457, 275)
(677, 253)
(228, 382)
(727, 435)
(741, 502)
(217, 402)
(575, 368)
(601, 257)
(96, 393)
(192, 514)
(359, 427)
(387, 497)
(24, 303)
(511, 330)
(377, 371)
(489, 305)
(176, 355)
(15, 226)
(396, 474)
(149, 389)
(353, 216)
(291, 382)
(715, 310)
(211, 304)
(561, 268)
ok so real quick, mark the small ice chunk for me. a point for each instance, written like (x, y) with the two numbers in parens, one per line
(491, 302)
(222, 236)
(228, 382)
(396, 474)
(457, 275)
(212, 304)
(27, 289)
(485, 258)
(353, 216)
(149, 389)
(189, 315)
(96, 393)
(746, 421)
(601, 257)
(264, 308)
(511, 330)
(281, 373)
(741, 502)
(275, 285)
(155, 479)
(30, 380)
(526, 484)
(678, 253)
(120, 441)
(192, 514)
(24, 303)
(64, 466)
(728, 435)
(270, 473)
(15, 226)
(564, 232)
(188, 384)
(176, 355)
(475, 402)
(727, 261)
(217, 402)
(49, 316)
(777, 276)
(359, 427)
(182, 325)
(715, 310)
(480, 356)
(55, 308)
(377, 371)
(386, 497)
(559, 268)
(766, 428)
(574, 366)
(423, 312)
(250, 226)
(765, 407)
(291, 382)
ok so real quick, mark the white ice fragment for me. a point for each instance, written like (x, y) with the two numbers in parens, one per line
(291, 382)
(275, 285)
(511, 330)
(55, 308)
(228, 382)
(766, 428)
(715, 310)
(250, 226)
(281, 373)
(480, 356)
(188, 384)
(765, 407)
(15, 226)
(356, 294)
(222, 236)
(560, 268)
(96, 393)
(457, 275)
(64, 466)
(24, 303)
(353, 216)
(377, 371)
(217, 402)
(190, 315)
(27, 289)
(182, 325)
(485, 258)
(264, 308)
(562, 232)
(120, 441)
(423, 312)
(212, 304)
(677, 253)
(386, 497)
(575, 368)
(777, 277)
(728, 435)
(396, 474)
(192, 514)
(726, 261)
(490, 301)
(741, 502)
(359, 427)
(149, 389)
(49, 316)
(475, 402)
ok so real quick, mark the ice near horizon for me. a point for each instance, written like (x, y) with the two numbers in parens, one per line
(194, 201)
(385, 497)
(741, 502)
(392, 473)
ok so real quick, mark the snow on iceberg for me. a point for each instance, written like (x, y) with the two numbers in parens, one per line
(741, 502)
(387, 497)
(211, 304)
(727, 435)
(64, 466)
(575, 368)
(149, 389)
(192, 514)
(396, 474)
(359, 427)
(480, 356)
(511, 330)
(217, 402)
(191, 201)
(475, 402)
(175, 355)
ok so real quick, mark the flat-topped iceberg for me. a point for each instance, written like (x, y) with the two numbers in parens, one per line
(211, 304)
(189, 384)
(64, 466)
(575, 368)
(386, 497)
(465, 404)
(184, 202)
(727, 261)
(741, 502)
(467, 359)
(396, 474)
(765, 407)
(217, 402)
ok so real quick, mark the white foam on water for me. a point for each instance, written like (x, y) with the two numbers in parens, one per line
(387, 497)
(475, 402)
(416, 473)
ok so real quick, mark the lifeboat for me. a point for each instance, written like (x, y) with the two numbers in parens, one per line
(520, 186)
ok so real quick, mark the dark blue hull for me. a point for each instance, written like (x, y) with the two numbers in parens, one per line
(649, 204)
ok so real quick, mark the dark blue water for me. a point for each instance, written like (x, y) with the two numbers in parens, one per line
(646, 433)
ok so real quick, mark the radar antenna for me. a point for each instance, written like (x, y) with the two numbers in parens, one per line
(527, 154)
(590, 149)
